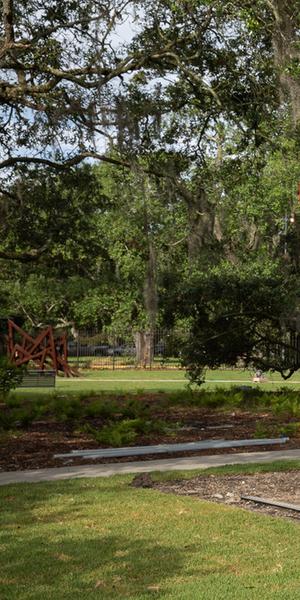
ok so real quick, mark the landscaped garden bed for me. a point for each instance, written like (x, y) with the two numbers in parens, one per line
(34, 429)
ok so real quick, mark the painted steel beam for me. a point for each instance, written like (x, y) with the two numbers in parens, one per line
(169, 448)
(274, 503)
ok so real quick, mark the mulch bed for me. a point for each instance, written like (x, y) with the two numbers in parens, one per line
(227, 489)
(35, 447)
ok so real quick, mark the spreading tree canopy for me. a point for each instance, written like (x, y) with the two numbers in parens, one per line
(199, 102)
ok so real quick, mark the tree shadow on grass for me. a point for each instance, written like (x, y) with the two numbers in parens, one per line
(26, 499)
(85, 567)
(59, 543)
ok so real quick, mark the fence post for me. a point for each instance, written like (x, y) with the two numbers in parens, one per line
(114, 347)
(151, 348)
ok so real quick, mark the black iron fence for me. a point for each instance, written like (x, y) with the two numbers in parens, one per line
(159, 349)
(133, 349)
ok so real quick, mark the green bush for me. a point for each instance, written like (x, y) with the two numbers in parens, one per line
(117, 434)
(101, 408)
(66, 409)
(10, 376)
(262, 431)
(135, 409)
(289, 429)
(125, 432)
(7, 420)
(287, 404)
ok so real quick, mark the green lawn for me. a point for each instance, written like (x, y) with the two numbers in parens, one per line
(133, 380)
(100, 538)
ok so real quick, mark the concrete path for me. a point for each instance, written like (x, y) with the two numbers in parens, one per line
(172, 464)
(174, 380)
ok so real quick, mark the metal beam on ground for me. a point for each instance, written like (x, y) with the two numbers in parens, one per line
(168, 448)
(274, 503)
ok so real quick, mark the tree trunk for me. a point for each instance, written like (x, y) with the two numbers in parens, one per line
(8, 22)
(150, 287)
(201, 223)
(144, 348)
(286, 51)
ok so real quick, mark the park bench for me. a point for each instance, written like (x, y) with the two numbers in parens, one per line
(38, 379)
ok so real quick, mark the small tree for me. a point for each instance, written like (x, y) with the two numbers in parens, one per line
(10, 376)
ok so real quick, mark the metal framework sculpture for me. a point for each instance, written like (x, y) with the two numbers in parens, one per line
(45, 350)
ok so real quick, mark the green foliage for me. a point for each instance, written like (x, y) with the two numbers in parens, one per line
(209, 164)
(262, 431)
(289, 429)
(22, 415)
(125, 432)
(116, 434)
(134, 409)
(284, 430)
(7, 420)
(114, 420)
(10, 376)
(102, 408)
(237, 315)
(66, 408)
(286, 404)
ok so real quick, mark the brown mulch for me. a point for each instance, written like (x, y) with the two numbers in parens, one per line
(35, 447)
(228, 489)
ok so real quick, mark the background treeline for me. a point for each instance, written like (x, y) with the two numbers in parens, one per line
(150, 177)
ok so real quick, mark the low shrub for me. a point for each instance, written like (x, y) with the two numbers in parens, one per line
(125, 432)
(10, 376)
(7, 420)
(288, 404)
(66, 408)
(12, 417)
(101, 408)
(262, 431)
(289, 430)
(135, 409)
(117, 434)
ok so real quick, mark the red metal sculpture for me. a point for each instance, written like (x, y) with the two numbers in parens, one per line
(45, 350)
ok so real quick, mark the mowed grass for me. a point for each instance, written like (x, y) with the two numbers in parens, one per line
(101, 538)
(131, 380)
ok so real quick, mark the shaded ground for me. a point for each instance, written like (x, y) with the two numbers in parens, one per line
(227, 489)
(35, 446)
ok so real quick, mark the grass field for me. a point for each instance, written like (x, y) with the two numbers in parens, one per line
(132, 380)
(86, 539)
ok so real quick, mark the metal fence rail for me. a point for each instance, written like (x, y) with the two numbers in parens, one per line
(132, 349)
(158, 349)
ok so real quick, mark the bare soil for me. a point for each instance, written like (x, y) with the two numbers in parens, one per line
(228, 489)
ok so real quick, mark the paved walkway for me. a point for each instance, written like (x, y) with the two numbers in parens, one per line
(174, 380)
(172, 464)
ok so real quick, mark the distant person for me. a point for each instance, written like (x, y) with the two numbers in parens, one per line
(258, 377)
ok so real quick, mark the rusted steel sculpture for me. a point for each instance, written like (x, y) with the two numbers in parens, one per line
(44, 350)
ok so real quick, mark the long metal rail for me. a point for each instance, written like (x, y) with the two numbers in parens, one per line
(274, 503)
(169, 448)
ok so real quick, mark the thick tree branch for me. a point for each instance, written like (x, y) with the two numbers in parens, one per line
(24, 257)
(71, 162)
(8, 21)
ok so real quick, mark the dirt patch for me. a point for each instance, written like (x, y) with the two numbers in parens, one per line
(228, 489)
